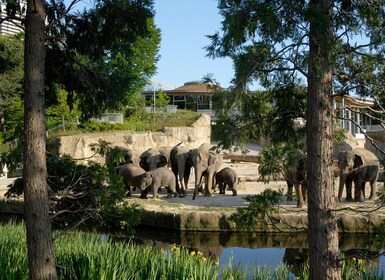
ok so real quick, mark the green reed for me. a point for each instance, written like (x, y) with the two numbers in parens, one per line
(86, 256)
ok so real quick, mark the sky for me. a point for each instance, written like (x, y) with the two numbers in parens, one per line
(184, 25)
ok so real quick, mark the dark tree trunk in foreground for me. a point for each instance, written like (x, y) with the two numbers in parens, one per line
(41, 258)
(323, 231)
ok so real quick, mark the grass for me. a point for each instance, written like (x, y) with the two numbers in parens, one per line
(85, 256)
(141, 122)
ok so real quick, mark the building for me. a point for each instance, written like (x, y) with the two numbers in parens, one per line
(352, 117)
(193, 95)
(14, 25)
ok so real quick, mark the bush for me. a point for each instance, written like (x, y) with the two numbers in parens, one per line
(84, 195)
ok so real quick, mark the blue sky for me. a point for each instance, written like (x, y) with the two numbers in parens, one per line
(184, 25)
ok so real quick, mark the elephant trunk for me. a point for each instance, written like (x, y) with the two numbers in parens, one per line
(181, 174)
(343, 177)
(198, 178)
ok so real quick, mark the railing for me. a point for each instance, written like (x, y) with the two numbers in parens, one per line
(169, 109)
(110, 118)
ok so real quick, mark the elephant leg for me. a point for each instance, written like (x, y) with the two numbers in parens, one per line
(289, 194)
(349, 183)
(155, 192)
(208, 186)
(186, 177)
(298, 190)
(361, 194)
(358, 191)
(304, 192)
(234, 189)
(373, 189)
(143, 194)
(222, 187)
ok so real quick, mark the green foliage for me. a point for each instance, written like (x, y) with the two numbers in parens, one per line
(276, 161)
(85, 256)
(110, 53)
(80, 194)
(143, 122)
(380, 235)
(135, 105)
(59, 113)
(162, 99)
(11, 85)
(261, 207)
(246, 117)
(339, 135)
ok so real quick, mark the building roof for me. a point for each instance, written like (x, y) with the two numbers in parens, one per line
(353, 102)
(190, 88)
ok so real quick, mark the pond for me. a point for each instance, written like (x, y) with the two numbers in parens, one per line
(247, 249)
(250, 249)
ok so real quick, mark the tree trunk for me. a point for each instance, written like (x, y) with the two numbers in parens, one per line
(41, 258)
(323, 231)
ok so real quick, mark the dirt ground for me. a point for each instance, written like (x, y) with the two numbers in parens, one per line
(248, 185)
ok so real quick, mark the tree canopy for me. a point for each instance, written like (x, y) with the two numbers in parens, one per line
(269, 44)
(11, 83)
(331, 48)
(102, 55)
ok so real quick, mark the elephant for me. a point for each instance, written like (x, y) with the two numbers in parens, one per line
(121, 155)
(362, 174)
(227, 177)
(155, 157)
(132, 176)
(159, 177)
(206, 163)
(181, 167)
(349, 160)
(295, 176)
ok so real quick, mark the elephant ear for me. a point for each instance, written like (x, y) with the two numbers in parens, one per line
(162, 161)
(358, 161)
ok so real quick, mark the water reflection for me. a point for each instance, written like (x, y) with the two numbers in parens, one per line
(256, 248)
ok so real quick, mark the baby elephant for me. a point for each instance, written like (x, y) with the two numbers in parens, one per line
(159, 177)
(132, 175)
(227, 177)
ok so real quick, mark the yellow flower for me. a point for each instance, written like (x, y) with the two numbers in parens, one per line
(204, 259)
(192, 253)
(200, 253)
(217, 263)
(360, 261)
(174, 248)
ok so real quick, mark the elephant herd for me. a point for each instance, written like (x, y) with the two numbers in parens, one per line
(171, 166)
(357, 166)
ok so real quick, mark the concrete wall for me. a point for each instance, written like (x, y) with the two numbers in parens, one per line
(78, 146)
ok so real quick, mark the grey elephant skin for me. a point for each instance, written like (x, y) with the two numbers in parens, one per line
(295, 175)
(206, 163)
(132, 176)
(227, 177)
(159, 177)
(181, 167)
(348, 161)
(155, 157)
(362, 174)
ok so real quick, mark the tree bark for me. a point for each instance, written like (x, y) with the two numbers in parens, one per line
(323, 230)
(41, 259)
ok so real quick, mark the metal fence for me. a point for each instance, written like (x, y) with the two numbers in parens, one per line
(169, 109)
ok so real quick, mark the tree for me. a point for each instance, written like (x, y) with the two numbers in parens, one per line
(102, 56)
(41, 258)
(11, 84)
(330, 47)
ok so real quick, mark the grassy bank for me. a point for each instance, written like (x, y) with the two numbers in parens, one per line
(85, 256)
